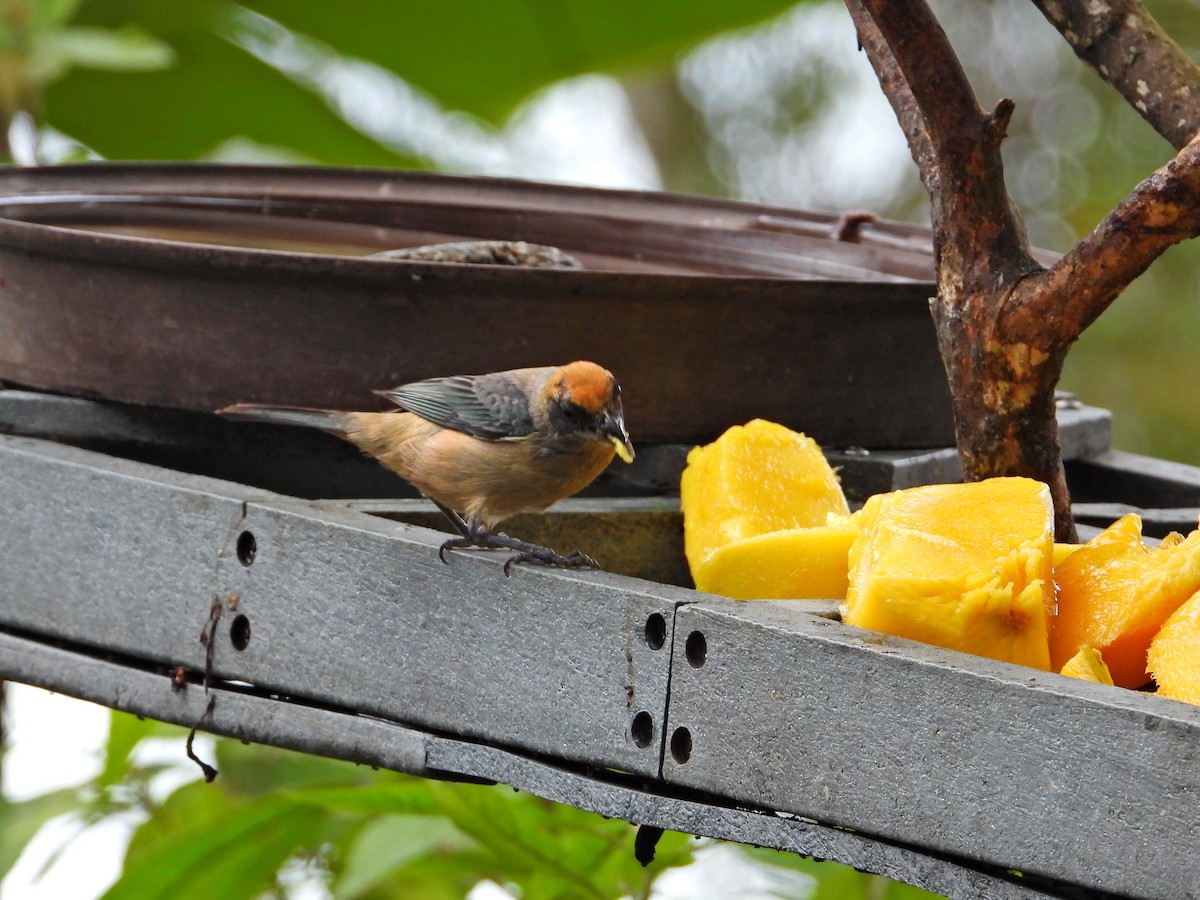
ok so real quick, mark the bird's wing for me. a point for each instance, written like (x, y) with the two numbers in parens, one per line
(491, 407)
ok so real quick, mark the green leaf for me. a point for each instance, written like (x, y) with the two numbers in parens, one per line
(47, 14)
(21, 820)
(214, 91)
(552, 850)
(474, 56)
(253, 770)
(129, 49)
(204, 844)
(387, 844)
(896, 890)
(485, 57)
(411, 797)
(448, 877)
(125, 731)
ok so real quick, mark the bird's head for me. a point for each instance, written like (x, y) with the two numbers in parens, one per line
(584, 399)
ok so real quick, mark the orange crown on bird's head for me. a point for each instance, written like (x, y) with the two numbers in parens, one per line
(587, 384)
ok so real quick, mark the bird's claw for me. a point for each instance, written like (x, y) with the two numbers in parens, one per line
(452, 544)
(577, 559)
(535, 555)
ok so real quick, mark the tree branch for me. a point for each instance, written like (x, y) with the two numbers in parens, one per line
(979, 236)
(1003, 391)
(1128, 48)
(1003, 323)
(1160, 212)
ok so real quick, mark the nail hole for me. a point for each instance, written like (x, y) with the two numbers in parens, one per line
(642, 729)
(681, 745)
(247, 548)
(239, 632)
(656, 631)
(696, 649)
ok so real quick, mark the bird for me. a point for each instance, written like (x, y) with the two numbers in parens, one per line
(486, 447)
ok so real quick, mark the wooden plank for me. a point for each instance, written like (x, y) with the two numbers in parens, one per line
(1155, 522)
(339, 607)
(1084, 432)
(148, 691)
(637, 536)
(274, 720)
(1120, 477)
(1001, 764)
(310, 464)
(983, 764)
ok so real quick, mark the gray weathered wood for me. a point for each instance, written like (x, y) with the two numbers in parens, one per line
(343, 608)
(637, 536)
(237, 714)
(1155, 522)
(310, 464)
(1084, 432)
(998, 763)
(933, 758)
(341, 735)
(1120, 477)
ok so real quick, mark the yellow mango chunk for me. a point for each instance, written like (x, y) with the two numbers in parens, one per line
(754, 479)
(963, 566)
(1062, 551)
(1115, 593)
(798, 563)
(1088, 665)
(1174, 655)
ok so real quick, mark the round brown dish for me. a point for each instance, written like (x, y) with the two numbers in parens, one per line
(198, 286)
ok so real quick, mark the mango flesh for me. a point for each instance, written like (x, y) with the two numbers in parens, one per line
(963, 566)
(1174, 654)
(1062, 551)
(799, 563)
(755, 480)
(1088, 665)
(1115, 593)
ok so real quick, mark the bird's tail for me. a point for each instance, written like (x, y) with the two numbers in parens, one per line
(324, 419)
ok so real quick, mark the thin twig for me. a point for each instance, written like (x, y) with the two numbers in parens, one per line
(208, 635)
(1129, 50)
(210, 773)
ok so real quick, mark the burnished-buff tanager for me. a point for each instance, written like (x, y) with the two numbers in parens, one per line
(486, 447)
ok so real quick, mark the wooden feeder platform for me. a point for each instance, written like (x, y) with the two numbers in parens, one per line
(134, 520)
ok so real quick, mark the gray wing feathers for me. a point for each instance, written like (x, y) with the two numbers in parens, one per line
(491, 407)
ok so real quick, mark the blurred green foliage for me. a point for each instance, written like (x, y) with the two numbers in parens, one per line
(480, 58)
(275, 823)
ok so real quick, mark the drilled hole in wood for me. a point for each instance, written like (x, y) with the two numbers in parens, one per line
(656, 631)
(642, 729)
(696, 649)
(239, 633)
(681, 745)
(247, 548)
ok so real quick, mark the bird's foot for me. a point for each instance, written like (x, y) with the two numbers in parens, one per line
(534, 554)
(454, 544)
(544, 556)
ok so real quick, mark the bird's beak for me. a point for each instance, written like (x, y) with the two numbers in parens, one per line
(613, 426)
